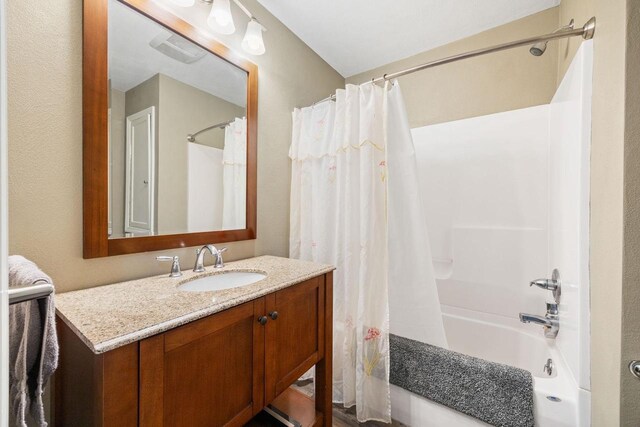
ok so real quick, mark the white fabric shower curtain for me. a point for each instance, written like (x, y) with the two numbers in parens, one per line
(234, 175)
(341, 191)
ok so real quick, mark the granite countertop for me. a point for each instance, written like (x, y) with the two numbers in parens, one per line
(108, 317)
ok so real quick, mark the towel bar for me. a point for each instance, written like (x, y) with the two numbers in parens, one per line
(28, 293)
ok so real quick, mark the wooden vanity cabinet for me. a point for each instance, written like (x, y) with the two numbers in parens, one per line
(221, 370)
(208, 372)
(294, 334)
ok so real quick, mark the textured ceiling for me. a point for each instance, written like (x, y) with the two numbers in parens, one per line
(354, 36)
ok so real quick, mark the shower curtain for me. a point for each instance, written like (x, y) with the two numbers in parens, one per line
(234, 175)
(353, 195)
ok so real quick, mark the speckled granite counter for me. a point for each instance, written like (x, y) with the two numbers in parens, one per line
(108, 317)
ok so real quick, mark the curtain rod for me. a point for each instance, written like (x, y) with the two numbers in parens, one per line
(586, 32)
(192, 136)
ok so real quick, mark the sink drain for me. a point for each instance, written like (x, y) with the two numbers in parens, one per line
(554, 399)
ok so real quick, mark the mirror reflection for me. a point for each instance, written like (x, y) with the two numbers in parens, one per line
(177, 132)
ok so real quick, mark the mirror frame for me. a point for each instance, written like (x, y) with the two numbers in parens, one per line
(95, 145)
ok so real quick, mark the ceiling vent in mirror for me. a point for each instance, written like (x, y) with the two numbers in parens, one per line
(177, 48)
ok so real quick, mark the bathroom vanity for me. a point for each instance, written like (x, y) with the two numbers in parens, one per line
(147, 353)
(167, 350)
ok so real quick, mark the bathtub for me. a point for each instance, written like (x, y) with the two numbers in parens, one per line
(502, 340)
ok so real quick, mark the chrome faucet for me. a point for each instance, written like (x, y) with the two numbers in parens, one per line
(199, 265)
(175, 264)
(550, 322)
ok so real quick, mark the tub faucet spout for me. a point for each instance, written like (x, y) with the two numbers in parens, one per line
(534, 318)
(550, 321)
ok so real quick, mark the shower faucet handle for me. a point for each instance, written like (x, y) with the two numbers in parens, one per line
(549, 284)
(552, 284)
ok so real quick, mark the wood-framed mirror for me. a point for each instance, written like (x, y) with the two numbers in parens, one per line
(169, 133)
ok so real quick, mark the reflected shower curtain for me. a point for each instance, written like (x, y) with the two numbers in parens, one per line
(234, 175)
(341, 191)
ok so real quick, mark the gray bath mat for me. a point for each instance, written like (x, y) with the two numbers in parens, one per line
(497, 394)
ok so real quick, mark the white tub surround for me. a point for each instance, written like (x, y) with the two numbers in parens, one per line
(508, 202)
(485, 185)
(501, 340)
(569, 156)
(108, 317)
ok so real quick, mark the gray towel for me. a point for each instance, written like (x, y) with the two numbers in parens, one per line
(497, 394)
(33, 344)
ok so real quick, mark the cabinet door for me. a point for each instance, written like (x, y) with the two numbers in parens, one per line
(207, 373)
(295, 334)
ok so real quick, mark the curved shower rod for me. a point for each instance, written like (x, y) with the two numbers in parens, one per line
(192, 136)
(586, 32)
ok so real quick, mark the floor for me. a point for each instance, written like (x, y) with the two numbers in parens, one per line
(344, 417)
(347, 418)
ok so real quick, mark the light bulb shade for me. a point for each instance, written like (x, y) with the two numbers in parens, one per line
(183, 3)
(253, 42)
(220, 19)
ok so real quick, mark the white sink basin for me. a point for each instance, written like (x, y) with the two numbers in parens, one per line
(218, 282)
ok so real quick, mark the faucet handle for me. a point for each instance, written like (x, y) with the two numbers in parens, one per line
(175, 266)
(219, 260)
(549, 284)
(553, 284)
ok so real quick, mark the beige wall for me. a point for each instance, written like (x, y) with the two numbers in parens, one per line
(615, 204)
(183, 110)
(117, 135)
(186, 109)
(45, 141)
(630, 389)
(142, 96)
(630, 386)
(487, 84)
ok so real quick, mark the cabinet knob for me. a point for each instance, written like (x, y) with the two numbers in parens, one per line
(273, 315)
(262, 320)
